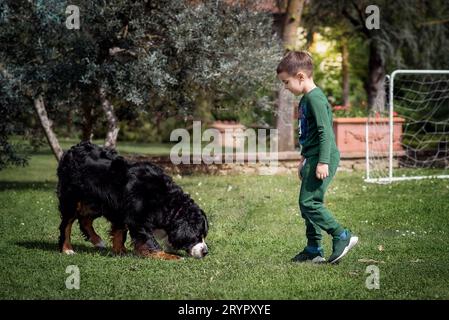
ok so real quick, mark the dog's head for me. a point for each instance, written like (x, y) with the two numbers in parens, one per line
(172, 210)
(189, 231)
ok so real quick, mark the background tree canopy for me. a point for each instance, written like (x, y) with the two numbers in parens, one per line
(149, 56)
(158, 64)
(412, 34)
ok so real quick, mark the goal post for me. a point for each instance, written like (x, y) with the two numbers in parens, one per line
(416, 124)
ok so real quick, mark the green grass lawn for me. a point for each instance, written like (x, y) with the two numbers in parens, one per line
(255, 229)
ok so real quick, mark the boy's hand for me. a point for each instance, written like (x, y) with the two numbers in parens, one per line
(322, 171)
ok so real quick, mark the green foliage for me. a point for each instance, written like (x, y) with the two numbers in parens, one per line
(163, 56)
(351, 112)
(13, 122)
(328, 63)
(358, 62)
(226, 52)
(149, 128)
(422, 100)
(412, 34)
(228, 114)
(327, 71)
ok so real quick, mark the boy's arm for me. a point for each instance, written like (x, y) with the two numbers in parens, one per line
(319, 112)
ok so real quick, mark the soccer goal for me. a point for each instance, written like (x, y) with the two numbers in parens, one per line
(410, 140)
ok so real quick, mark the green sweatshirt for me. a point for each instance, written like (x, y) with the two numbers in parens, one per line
(316, 135)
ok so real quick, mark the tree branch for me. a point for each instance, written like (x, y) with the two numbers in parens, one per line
(433, 22)
(39, 106)
(358, 24)
(361, 17)
(113, 129)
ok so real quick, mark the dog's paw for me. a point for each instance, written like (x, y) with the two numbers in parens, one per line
(167, 256)
(160, 255)
(120, 251)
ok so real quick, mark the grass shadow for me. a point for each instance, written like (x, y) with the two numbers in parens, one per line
(53, 247)
(27, 185)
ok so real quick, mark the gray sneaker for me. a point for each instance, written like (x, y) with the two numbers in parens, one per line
(306, 256)
(342, 246)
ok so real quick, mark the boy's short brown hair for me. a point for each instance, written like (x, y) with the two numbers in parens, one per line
(295, 61)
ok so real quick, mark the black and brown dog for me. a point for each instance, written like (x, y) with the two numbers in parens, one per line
(135, 196)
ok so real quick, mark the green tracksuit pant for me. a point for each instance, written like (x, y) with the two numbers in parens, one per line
(311, 201)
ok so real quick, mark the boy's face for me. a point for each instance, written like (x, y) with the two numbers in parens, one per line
(294, 84)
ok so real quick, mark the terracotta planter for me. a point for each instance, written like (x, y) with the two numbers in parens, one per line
(350, 135)
(229, 141)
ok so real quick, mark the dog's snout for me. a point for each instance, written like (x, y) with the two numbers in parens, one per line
(199, 250)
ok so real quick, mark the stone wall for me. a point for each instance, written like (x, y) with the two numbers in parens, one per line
(287, 164)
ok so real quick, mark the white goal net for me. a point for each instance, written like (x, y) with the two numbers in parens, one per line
(410, 140)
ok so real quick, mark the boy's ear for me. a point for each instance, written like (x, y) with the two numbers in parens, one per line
(300, 75)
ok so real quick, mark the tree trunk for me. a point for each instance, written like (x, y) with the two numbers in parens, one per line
(87, 127)
(375, 86)
(345, 71)
(291, 23)
(284, 121)
(39, 106)
(113, 129)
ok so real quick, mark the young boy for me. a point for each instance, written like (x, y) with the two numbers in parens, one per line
(319, 159)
